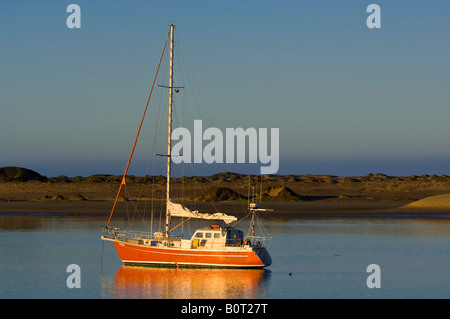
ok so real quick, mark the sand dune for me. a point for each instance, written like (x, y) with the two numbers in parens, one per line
(437, 201)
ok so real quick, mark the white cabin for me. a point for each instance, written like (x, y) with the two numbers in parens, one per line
(215, 237)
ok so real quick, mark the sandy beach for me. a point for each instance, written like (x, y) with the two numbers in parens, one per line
(287, 195)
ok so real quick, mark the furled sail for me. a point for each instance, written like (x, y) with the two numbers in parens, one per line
(179, 210)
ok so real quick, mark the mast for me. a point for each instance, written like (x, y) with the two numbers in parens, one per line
(169, 131)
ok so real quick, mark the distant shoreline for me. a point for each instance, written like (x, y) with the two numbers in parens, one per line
(280, 209)
(288, 195)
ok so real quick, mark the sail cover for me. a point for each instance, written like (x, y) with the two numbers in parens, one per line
(179, 210)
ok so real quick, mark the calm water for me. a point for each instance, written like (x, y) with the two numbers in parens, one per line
(327, 258)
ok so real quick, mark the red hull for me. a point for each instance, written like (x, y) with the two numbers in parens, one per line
(147, 255)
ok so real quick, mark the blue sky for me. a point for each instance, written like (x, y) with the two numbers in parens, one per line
(348, 100)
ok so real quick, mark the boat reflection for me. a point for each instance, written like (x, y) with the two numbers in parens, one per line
(179, 283)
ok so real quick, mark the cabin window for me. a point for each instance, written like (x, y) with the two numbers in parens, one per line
(199, 235)
(207, 235)
(216, 235)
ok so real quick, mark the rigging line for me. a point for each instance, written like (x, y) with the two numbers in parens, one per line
(202, 187)
(241, 220)
(159, 113)
(142, 196)
(156, 135)
(137, 135)
(126, 207)
(193, 83)
(143, 192)
(181, 111)
(136, 212)
(153, 196)
(185, 66)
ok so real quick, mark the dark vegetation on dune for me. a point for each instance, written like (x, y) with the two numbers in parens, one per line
(19, 174)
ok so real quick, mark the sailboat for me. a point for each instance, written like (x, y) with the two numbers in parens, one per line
(211, 246)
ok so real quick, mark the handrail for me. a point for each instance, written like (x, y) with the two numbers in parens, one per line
(125, 235)
(258, 237)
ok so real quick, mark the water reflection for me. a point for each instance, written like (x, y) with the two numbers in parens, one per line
(147, 282)
(377, 225)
